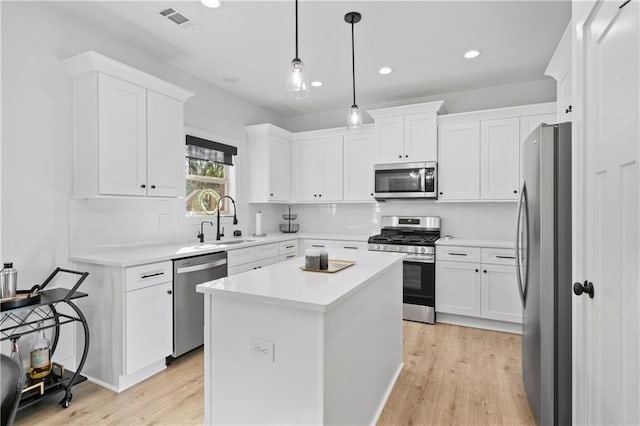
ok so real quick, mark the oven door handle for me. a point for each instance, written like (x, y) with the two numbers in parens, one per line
(425, 259)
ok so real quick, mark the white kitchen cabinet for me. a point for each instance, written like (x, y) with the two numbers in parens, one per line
(318, 168)
(500, 159)
(479, 152)
(128, 130)
(458, 288)
(407, 133)
(500, 299)
(270, 162)
(560, 69)
(148, 326)
(458, 161)
(318, 244)
(255, 257)
(165, 157)
(477, 282)
(358, 166)
(351, 245)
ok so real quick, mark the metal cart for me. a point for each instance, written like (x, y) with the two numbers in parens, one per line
(39, 312)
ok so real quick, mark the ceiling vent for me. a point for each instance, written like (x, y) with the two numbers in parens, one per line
(176, 17)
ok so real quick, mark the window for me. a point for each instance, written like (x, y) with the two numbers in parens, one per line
(208, 168)
(207, 181)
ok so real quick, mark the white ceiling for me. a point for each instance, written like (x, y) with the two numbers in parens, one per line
(422, 40)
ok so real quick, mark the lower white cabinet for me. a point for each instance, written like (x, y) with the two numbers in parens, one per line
(483, 289)
(351, 245)
(148, 325)
(246, 259)
(319, 244)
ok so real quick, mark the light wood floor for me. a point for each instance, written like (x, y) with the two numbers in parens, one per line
(452, 376)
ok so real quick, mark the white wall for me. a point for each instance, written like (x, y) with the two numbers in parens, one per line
(531, 92)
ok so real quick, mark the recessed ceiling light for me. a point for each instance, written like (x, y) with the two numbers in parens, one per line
(316, 83)
(470, 54)
(385, 70)
(211, 3)
(230, 78)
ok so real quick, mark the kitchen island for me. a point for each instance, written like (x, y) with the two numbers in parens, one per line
(287, 346)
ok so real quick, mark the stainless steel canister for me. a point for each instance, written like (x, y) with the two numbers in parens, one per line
(8, 281)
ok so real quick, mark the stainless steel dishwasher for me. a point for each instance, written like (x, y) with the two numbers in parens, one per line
(188, 305)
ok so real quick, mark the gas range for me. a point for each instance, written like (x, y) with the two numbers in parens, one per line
(415, 236)
(412, 235)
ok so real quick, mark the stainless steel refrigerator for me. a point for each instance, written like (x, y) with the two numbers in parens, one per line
(543, 263)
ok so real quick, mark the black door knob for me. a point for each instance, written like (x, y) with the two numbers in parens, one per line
(586, 287)
(169, 292)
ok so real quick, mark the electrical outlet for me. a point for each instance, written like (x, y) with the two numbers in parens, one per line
(263, 349)
(165, 220)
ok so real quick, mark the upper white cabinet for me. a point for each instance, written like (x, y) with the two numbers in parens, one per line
(333, 165)
(407, 133)
(127, 130)
(560, 69)
(499, 159)
(318, 168)
(358, 166)
(479, 152)
(270, 162)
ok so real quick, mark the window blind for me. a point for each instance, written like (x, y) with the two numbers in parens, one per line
(203, 149)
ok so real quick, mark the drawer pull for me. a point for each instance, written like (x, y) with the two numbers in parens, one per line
(350, 247)
(457, 254)
(151, 275)
(317, 245)
(290, 256)
(290, 247)
(505, 257)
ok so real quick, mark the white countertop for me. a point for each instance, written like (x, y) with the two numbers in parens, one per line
(125, 256)
(462, 242)
(286, 284)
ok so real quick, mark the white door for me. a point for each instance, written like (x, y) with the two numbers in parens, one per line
(499, 295)
(148, 326)
(458, 288)
(305, 155)
(389, 140)
(609, 323)
(122, 137)
(358, 167)
(279, 169)
(165, 146)
(420, 137)
(500, 159)
(330, 176)
(459, 161)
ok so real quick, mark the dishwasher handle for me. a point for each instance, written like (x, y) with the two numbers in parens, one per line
(201, 267)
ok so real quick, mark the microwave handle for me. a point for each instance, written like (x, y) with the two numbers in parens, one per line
(423, 180)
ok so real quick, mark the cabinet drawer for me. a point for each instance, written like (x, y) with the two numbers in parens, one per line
(234, 270)
(351, 245)
(267, 250)
(458, 254)
(318, 244)
(241, 256)
(147, 275)
(499, 256)
(285, 257)
(288, 247)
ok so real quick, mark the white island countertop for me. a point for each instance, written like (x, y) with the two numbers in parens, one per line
(286, 284)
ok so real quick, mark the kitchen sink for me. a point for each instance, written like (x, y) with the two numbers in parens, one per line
(227, 243)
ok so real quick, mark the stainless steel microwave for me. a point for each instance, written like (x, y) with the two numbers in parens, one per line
(406, 180)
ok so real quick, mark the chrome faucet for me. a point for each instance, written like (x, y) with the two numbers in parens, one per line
(235, 219)
(201, 234)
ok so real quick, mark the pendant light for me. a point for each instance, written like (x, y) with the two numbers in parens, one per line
(297, 85)
(354, 118)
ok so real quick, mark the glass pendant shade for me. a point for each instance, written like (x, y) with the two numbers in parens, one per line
(297, 85)
(354, 118)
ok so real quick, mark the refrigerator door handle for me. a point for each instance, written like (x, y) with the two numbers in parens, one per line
(518, 245)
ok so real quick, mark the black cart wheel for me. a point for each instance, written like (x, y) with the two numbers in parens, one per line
(66, 401)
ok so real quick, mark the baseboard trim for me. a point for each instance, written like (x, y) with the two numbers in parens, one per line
(387, 393)
(125, 382)
(506, 327)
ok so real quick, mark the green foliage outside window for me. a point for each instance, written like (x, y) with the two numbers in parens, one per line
(206, 183)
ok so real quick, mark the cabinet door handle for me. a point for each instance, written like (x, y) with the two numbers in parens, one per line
(372, 194)
(271, 195)
(440, 192)
(406, 156)
(515, 191)
(399, 156)
(169, 292)
(485, 271)
(477, 270)
(153, 187)
(315, 195)
(505, 257)
(143, 186)
(457, 254)
(319, 195)
(151, 275)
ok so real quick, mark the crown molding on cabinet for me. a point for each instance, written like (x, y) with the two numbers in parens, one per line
(336, 131)
(435, 106)
(263, 129)
(498, 113)
(91, 61)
